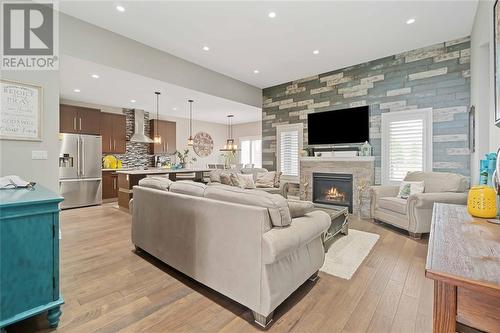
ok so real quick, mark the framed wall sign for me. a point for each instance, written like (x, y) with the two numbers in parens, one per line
(21, 111)
(496, 51)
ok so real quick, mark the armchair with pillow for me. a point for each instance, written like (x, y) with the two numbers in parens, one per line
(410, 206)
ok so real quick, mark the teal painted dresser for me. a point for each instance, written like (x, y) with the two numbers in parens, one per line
(29, 255)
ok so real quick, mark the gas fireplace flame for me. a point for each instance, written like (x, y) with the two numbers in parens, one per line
(335, 195)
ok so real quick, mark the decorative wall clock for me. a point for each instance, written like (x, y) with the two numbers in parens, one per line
(203, 144)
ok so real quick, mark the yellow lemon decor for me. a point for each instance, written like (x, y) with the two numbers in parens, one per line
(482, 202)
(109, 162)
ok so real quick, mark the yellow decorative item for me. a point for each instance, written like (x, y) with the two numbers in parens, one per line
(482, 202)
(119, 164)
(109, 162)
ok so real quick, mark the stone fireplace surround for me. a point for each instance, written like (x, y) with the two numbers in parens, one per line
(362, 169)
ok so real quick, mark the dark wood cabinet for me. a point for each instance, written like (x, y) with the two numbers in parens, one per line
(167, 132)
(113, 127)
(109, 184)
(78, 119)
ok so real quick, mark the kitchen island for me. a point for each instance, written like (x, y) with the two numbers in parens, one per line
(128, 178)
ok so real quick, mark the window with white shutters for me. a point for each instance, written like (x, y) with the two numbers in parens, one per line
(289, 144)
(406, 144)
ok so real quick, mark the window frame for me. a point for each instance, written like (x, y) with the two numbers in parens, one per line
(250, 138)
(386, 119)
(299, 127)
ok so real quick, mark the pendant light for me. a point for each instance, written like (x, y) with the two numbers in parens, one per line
(230, 145)
(157, 137)
(190, 139)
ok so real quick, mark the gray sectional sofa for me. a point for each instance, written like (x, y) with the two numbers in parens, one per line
(241, 243)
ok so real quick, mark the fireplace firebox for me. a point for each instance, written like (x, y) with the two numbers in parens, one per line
(333, 189)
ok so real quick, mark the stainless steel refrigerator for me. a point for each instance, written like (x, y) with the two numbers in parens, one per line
(80, 173)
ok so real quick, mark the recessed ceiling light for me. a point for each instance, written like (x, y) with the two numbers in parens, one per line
(256, 71)
(76, 90)
(174, 109)
(95, 76)
(206, 48)
(271, 14)
(410, 21)
(316, 52)
(120, 8)
(133, 101)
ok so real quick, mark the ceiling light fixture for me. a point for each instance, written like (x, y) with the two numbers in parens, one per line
(230, 146)
(411, 21)
(206, 48)
(94, 76)
(120, 8)
(316, 52)
(271, 14)
(76, 90)
(256, 71)
(157, 137)
(133, 101)
(190, 139)
(175, 109)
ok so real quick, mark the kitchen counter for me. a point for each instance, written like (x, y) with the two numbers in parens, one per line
(127, 179)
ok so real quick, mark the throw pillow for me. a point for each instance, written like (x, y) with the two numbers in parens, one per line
(265, 179)
(245, 181)
(235, 180)
(215, 176)
(225, 178)
(299, 208)
(156, 182)
(277, 178)
(408, 188)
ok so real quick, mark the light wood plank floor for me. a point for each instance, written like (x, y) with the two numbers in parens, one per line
(109, 288)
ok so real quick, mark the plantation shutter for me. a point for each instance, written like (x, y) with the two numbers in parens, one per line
(406, 144)
(405, 148)
(289, 153)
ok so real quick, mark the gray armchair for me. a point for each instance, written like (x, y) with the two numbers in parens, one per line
(414, 214)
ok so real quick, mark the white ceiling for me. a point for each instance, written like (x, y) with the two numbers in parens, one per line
(243, 38)
(117, 88)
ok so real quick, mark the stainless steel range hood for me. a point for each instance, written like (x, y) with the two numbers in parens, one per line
(139, 135)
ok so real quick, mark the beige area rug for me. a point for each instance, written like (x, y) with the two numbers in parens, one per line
(347, 253)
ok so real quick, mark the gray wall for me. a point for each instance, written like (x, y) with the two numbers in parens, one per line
(15, 156)
(86, 41)
(437, 76)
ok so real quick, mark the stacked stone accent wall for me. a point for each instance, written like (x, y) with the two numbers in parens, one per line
(136, 154)
(437, 76)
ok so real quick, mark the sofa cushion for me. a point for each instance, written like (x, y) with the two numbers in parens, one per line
(156, 182)
(439, 181)
(396, 205)
(188, 187)
(280, 242)
(299, 208)
(277, 178)
(272, 190)
(215, 175)
(225, 178)
(242, 180)
(252, 171)
(276, 205)
(265, 179)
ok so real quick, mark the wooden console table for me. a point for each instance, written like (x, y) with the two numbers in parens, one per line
(463, 259)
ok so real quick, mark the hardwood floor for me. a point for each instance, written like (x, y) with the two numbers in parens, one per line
(109, 288)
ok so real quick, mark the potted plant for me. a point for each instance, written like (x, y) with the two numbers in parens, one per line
(184, 157)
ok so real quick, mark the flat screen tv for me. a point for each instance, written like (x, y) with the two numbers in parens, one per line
(338, 126)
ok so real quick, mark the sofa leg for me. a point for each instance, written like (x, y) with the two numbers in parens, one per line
(314, 277)
(415, 235)
(262, 320)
